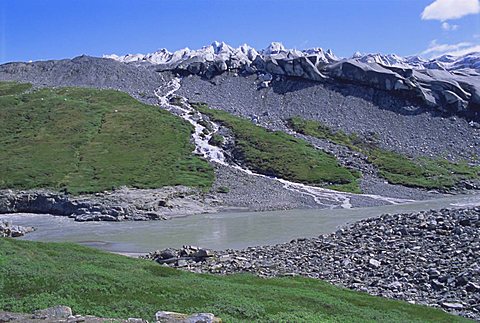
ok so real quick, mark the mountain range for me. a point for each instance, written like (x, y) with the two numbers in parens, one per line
(246, 54)
(449, 83)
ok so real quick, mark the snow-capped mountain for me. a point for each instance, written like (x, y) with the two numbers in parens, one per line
(448, 82)
(445, 62)
(220, 51)
(245, 55)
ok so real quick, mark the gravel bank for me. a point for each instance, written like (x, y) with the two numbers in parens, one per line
(428, 257)
(256, 193)
(119, 205)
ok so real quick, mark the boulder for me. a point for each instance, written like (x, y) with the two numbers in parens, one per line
(374, 263)
(56, 312)
(174, 317)
(266, 77)
(452, 306)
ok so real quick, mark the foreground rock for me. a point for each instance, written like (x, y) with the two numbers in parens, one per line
(64, 314)
(122, 204)
(8, 230)
(428, 257)
(173, 317)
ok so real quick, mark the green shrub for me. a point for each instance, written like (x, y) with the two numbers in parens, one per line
(223, 189)
(281, 155)
(394, 167)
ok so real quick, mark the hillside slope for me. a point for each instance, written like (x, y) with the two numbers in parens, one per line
(87, 141)
(398, 123)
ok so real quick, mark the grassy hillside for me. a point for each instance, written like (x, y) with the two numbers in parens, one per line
(282, 155)
(37, 275)
(86, 140)
(396, 168)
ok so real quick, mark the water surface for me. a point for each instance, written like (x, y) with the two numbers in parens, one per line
(216, 231)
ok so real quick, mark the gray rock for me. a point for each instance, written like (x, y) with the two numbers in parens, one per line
(267, 77)
(174, 317)
(7, 229)
(472, 287)
(57, 312)
(453, 306)
(374, 263)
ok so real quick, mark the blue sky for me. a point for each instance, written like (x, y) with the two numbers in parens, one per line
(53, 29)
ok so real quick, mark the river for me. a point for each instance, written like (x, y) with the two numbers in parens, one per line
(216, 231)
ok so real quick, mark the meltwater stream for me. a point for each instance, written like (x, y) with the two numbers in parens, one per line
(217, 231)
(323, 197)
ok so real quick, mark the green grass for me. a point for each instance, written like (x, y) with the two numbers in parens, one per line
(10, 88)
(396, 168)
(217, 140)
(282, 155)
(318, 130)
(85, 140)
(223, 189)
(37, 275)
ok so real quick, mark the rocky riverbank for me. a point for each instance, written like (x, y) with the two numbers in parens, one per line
(64, 314)
(118, 205)
(9, 230)
(428, 257)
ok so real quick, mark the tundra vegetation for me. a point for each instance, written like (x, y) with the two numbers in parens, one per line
(276, 153)
(85, 140)
(429, 173)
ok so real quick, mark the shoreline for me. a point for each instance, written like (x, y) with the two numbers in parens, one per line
(127, 204)
(228, 229)
(427, 257)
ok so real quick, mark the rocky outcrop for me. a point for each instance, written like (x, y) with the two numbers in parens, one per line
(122, 204)
(428, 257)
(8, 230)
(174, 317)
(180, 257)
(448, 83)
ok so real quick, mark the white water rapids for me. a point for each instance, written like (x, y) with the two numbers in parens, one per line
(201, 137)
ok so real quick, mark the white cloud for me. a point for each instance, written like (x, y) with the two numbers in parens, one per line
(450, 9)
(449, 27)
(435, 49)
(465, 51)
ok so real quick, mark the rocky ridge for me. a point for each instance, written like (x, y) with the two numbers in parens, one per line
(122, 204)
(451, 84)
(428, 257)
